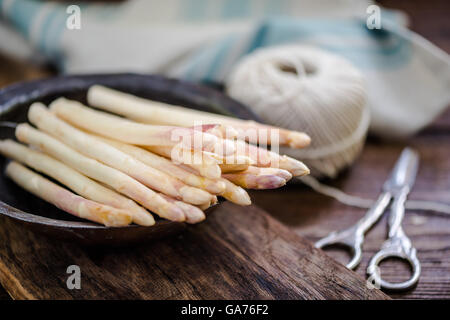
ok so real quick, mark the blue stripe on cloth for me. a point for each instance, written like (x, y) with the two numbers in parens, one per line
(196, 69)
(275, 7)
(21, 14)
(216, 65)
(193, 10)
(366, 48)
(259, 37)
(45, 28)
(52, 28)
(235, 9)
(207, 63)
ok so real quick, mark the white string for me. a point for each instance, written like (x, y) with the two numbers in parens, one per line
(307, 89)
(356, 201)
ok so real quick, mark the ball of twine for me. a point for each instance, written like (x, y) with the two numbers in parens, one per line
(307, 89)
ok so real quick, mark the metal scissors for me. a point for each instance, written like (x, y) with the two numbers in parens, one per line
(397, 245)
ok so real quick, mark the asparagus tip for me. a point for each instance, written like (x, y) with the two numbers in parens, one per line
(194, 195)
(300, 171)
(298, 140)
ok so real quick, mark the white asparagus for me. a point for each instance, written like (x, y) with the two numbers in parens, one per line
(232, 192)
(286, 175)
(94, 148)
(266, 158)
(192, 213)
(235, 193)
(227, 168)
(94, 169)
(234, 159)
(208, 205)
(66, 200)
(124, 130)
(255, 132)
(147, 111)
(165, 165)
(202, 163)
(205, 206)
(72, 179)
(231, 163)
(255, 180)
(219, 131)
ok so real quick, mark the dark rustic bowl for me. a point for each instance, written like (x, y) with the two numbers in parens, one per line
(39, 216)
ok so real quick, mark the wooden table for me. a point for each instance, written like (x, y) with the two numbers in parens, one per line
(297, 210)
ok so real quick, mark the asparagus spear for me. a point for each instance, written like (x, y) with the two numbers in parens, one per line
(227, 168)
(129, 131)
(113, 178)
(207, 205)
(192, 213)
(286, 175)
(265, 158)
(72, 179)
(147, 111)
(165, 165)
(98, 150)
(201, 162)
(232, 192)
(66, 200)
(235, 193)
(256, 178)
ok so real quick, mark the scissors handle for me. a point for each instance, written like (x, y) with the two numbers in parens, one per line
(399, 247)
(352, 238)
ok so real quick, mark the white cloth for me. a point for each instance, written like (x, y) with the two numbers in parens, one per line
(408, 78)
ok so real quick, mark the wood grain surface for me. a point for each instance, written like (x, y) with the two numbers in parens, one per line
(237, 253)
(294, 210)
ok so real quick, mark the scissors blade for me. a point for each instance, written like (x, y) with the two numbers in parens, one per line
(404, 172)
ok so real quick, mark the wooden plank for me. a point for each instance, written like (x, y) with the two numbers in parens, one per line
(237, 253)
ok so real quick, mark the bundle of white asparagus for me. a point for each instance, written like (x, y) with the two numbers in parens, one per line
(159, 161)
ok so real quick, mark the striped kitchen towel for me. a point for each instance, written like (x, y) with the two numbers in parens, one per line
(200, 40)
